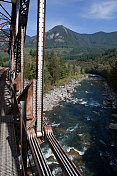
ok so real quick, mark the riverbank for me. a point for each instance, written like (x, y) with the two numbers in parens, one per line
(53, 97)
(111, 101)
(110, 96)
(81, 126)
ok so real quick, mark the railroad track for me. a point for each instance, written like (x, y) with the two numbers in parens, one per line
(42, 167)
(67, 165)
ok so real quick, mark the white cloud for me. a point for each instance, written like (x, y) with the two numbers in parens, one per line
(102, 10)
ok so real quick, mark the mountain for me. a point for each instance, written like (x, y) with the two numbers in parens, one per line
(70, 44)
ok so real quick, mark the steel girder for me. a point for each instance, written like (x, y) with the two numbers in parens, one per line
(5, 20)
(23, 17)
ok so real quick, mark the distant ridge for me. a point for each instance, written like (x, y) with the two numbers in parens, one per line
(70, 44)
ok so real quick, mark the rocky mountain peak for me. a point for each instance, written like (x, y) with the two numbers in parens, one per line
(57, 34)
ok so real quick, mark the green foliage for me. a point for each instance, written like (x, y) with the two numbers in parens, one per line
(56, 70)
(29, 66)
(4, 61)
(33, 53)
(104, 65)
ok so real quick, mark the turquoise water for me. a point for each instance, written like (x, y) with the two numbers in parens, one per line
(81, 126)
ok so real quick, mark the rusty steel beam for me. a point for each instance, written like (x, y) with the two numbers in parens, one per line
(22, 12)
(4, 41)
(12, 49)
(3, 37)
(5, 33)
(23, 136)
(5, 50)
(14, 64)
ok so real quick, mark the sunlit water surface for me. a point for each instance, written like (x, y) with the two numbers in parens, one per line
(81, 126)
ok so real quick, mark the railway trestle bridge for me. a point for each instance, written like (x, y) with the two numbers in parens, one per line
(22, 125)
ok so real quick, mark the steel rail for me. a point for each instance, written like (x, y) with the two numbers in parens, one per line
(59, 155)
(40, 154)
(64, 156)
(57, 149)
(70, 171)
(44, 167)
(37, 156)
(31, 148)
(70, 163)
(34, 157)
(48, 172)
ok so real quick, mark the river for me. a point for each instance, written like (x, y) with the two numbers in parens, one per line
(81, 126)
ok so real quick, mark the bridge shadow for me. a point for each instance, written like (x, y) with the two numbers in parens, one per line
(7, 131)
(5, 95)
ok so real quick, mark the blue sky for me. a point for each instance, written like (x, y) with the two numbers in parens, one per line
(82, 16)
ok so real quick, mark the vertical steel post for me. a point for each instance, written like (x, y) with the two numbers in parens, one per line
(17, 15)
(22, 59)
(23, 136)
(10, 59)
(12, 48)
(14, 64)
(34, 98)
(41, 12)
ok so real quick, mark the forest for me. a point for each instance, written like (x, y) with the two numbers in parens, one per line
(58, 71)
(104, 64)
(4, 61)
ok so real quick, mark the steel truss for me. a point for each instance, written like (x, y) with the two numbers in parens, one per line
(4, 29)
(27, 107)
